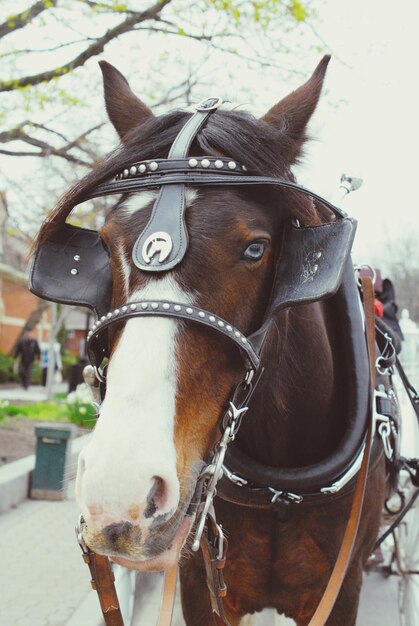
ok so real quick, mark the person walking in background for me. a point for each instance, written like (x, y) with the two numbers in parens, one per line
(27, 350)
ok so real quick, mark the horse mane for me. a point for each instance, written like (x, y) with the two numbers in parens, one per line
(254, 143)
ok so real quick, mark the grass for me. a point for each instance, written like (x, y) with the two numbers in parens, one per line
(77, 413)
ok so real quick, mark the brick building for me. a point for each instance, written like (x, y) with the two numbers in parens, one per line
(16, 304)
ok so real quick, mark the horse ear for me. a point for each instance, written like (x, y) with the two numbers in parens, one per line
(293, 113)
(124, 109)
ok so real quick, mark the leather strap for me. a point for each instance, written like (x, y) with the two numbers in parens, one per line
(167, 221)
(211, 178)
(214, 566)
(103, 582)
(169, 594)
(334, 585)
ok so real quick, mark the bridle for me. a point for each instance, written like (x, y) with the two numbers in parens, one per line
(167, 227)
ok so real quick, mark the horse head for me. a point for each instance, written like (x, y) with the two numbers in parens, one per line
(169, 380)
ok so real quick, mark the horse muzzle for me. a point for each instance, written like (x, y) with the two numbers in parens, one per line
(155, 548)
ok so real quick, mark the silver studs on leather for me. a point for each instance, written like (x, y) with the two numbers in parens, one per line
(205, 163)
(161, 308)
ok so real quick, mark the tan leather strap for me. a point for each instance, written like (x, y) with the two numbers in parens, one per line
(103, 582)
(169, 593)
(369, 313)
(334, 585)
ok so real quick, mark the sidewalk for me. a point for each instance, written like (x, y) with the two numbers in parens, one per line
(44, 580)
(35, 393)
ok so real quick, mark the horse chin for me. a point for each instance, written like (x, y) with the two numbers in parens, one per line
(166, 559)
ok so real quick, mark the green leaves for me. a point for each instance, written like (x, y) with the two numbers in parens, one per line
(261, 12)
(298, 11)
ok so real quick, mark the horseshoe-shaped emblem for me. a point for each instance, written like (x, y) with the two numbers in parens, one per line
(159, 242)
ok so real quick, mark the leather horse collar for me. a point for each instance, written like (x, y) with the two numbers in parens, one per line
(249, 483)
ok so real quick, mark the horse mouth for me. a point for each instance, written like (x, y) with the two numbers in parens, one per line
(164, 559)
(155, 548)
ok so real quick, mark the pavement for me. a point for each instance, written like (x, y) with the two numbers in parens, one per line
(35, 393)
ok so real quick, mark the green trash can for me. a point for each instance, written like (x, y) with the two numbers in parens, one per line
(52, 454)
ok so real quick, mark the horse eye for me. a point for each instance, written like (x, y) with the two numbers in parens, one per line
(255, 251)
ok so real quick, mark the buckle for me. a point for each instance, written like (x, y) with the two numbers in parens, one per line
(79, 535)
(285, 496)
(382, 423)
(209, 104)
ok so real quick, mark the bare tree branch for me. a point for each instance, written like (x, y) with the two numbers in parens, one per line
(45, 153)
(39, 50)
(95, 48)
(15, 22)
(46, 149)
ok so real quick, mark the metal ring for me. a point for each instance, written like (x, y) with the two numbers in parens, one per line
(358, 268)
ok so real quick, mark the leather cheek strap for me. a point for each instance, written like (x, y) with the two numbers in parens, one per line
(166, 231)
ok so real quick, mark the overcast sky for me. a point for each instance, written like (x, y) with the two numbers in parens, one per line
(366, 123)
(374, 133)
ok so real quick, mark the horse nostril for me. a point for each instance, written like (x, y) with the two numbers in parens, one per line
(157, 497)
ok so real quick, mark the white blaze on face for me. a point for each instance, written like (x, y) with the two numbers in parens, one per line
(132, 444)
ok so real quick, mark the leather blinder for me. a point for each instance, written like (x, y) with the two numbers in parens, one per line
(311, 263)
(72, 267)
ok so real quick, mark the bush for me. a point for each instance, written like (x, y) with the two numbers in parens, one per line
(6, 369)
(43, 411)
(68, 360)
(76, 408)
(79, 406)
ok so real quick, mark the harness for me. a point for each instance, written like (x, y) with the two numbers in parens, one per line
(72, 267)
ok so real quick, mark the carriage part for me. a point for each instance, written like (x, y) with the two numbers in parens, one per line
(214, 550)
(350, 183)
(385, 420)
(411, 391)
(405, 509)
(90, 377)
(213, 472)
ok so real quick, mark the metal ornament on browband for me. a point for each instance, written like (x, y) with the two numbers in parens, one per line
(164, 240)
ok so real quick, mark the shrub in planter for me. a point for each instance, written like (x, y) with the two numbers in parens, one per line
(79, 406)
(6, 369)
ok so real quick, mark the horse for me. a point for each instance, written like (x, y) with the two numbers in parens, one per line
(183, 275)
